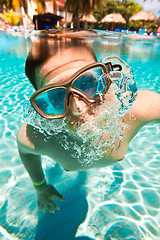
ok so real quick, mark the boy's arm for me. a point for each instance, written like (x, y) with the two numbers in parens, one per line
(32, 164)
(45, 192)
(147, 107)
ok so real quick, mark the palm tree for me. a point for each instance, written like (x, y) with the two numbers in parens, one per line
(96, 3)
(5, 5)
(54, 6)
(77, 7)
(81, 7)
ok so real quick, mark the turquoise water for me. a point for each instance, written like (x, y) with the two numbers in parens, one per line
(118, 202)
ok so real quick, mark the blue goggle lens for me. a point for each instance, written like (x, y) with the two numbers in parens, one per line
(91, 82)
(52, 101)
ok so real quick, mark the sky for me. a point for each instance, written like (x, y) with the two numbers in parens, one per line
(150, 5)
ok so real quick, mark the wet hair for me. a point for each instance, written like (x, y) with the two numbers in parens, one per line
(45, 48)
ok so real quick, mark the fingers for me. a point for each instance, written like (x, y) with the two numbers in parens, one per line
(41, 206)
(59, 196)
(49, 209)
(45, 199)
(56, 193)
(50, 205)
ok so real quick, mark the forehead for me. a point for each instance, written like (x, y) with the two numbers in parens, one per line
(64, 64)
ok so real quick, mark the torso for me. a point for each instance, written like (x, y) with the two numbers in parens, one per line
(33, 141)
(37, 143)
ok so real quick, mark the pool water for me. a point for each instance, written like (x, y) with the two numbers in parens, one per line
(117, 202)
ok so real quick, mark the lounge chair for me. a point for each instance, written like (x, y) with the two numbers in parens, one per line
(124, 31)
(117, 30)
(142, 31)
(132, 32)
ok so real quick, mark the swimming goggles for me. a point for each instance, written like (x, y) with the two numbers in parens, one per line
(90, 82)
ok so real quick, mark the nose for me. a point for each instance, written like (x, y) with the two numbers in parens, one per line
(77, 104)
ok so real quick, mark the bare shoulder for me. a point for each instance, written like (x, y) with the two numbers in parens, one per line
(145, 94)
(23, 141)
(147, 106)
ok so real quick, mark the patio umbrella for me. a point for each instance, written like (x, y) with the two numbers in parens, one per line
(144, 16)
(113, 18)
(88, 18)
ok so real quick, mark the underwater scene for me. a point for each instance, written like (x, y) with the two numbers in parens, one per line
(116, 202)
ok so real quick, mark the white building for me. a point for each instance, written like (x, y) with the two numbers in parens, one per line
(49, 8)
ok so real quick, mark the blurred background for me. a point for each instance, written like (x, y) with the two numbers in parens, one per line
(20, 15)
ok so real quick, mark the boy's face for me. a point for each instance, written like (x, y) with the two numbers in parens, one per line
(60, 68)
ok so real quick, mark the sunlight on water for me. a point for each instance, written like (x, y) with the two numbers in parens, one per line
(127, 196)
(124, 200)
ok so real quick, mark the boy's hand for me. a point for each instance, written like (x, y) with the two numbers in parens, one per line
(46, 198)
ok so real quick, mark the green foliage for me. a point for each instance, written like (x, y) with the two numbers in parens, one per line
(80, 7)
(151, 27)
(129, 8)
(126, 8)
(100, 8)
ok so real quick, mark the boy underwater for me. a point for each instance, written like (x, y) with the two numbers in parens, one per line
(78, 97)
